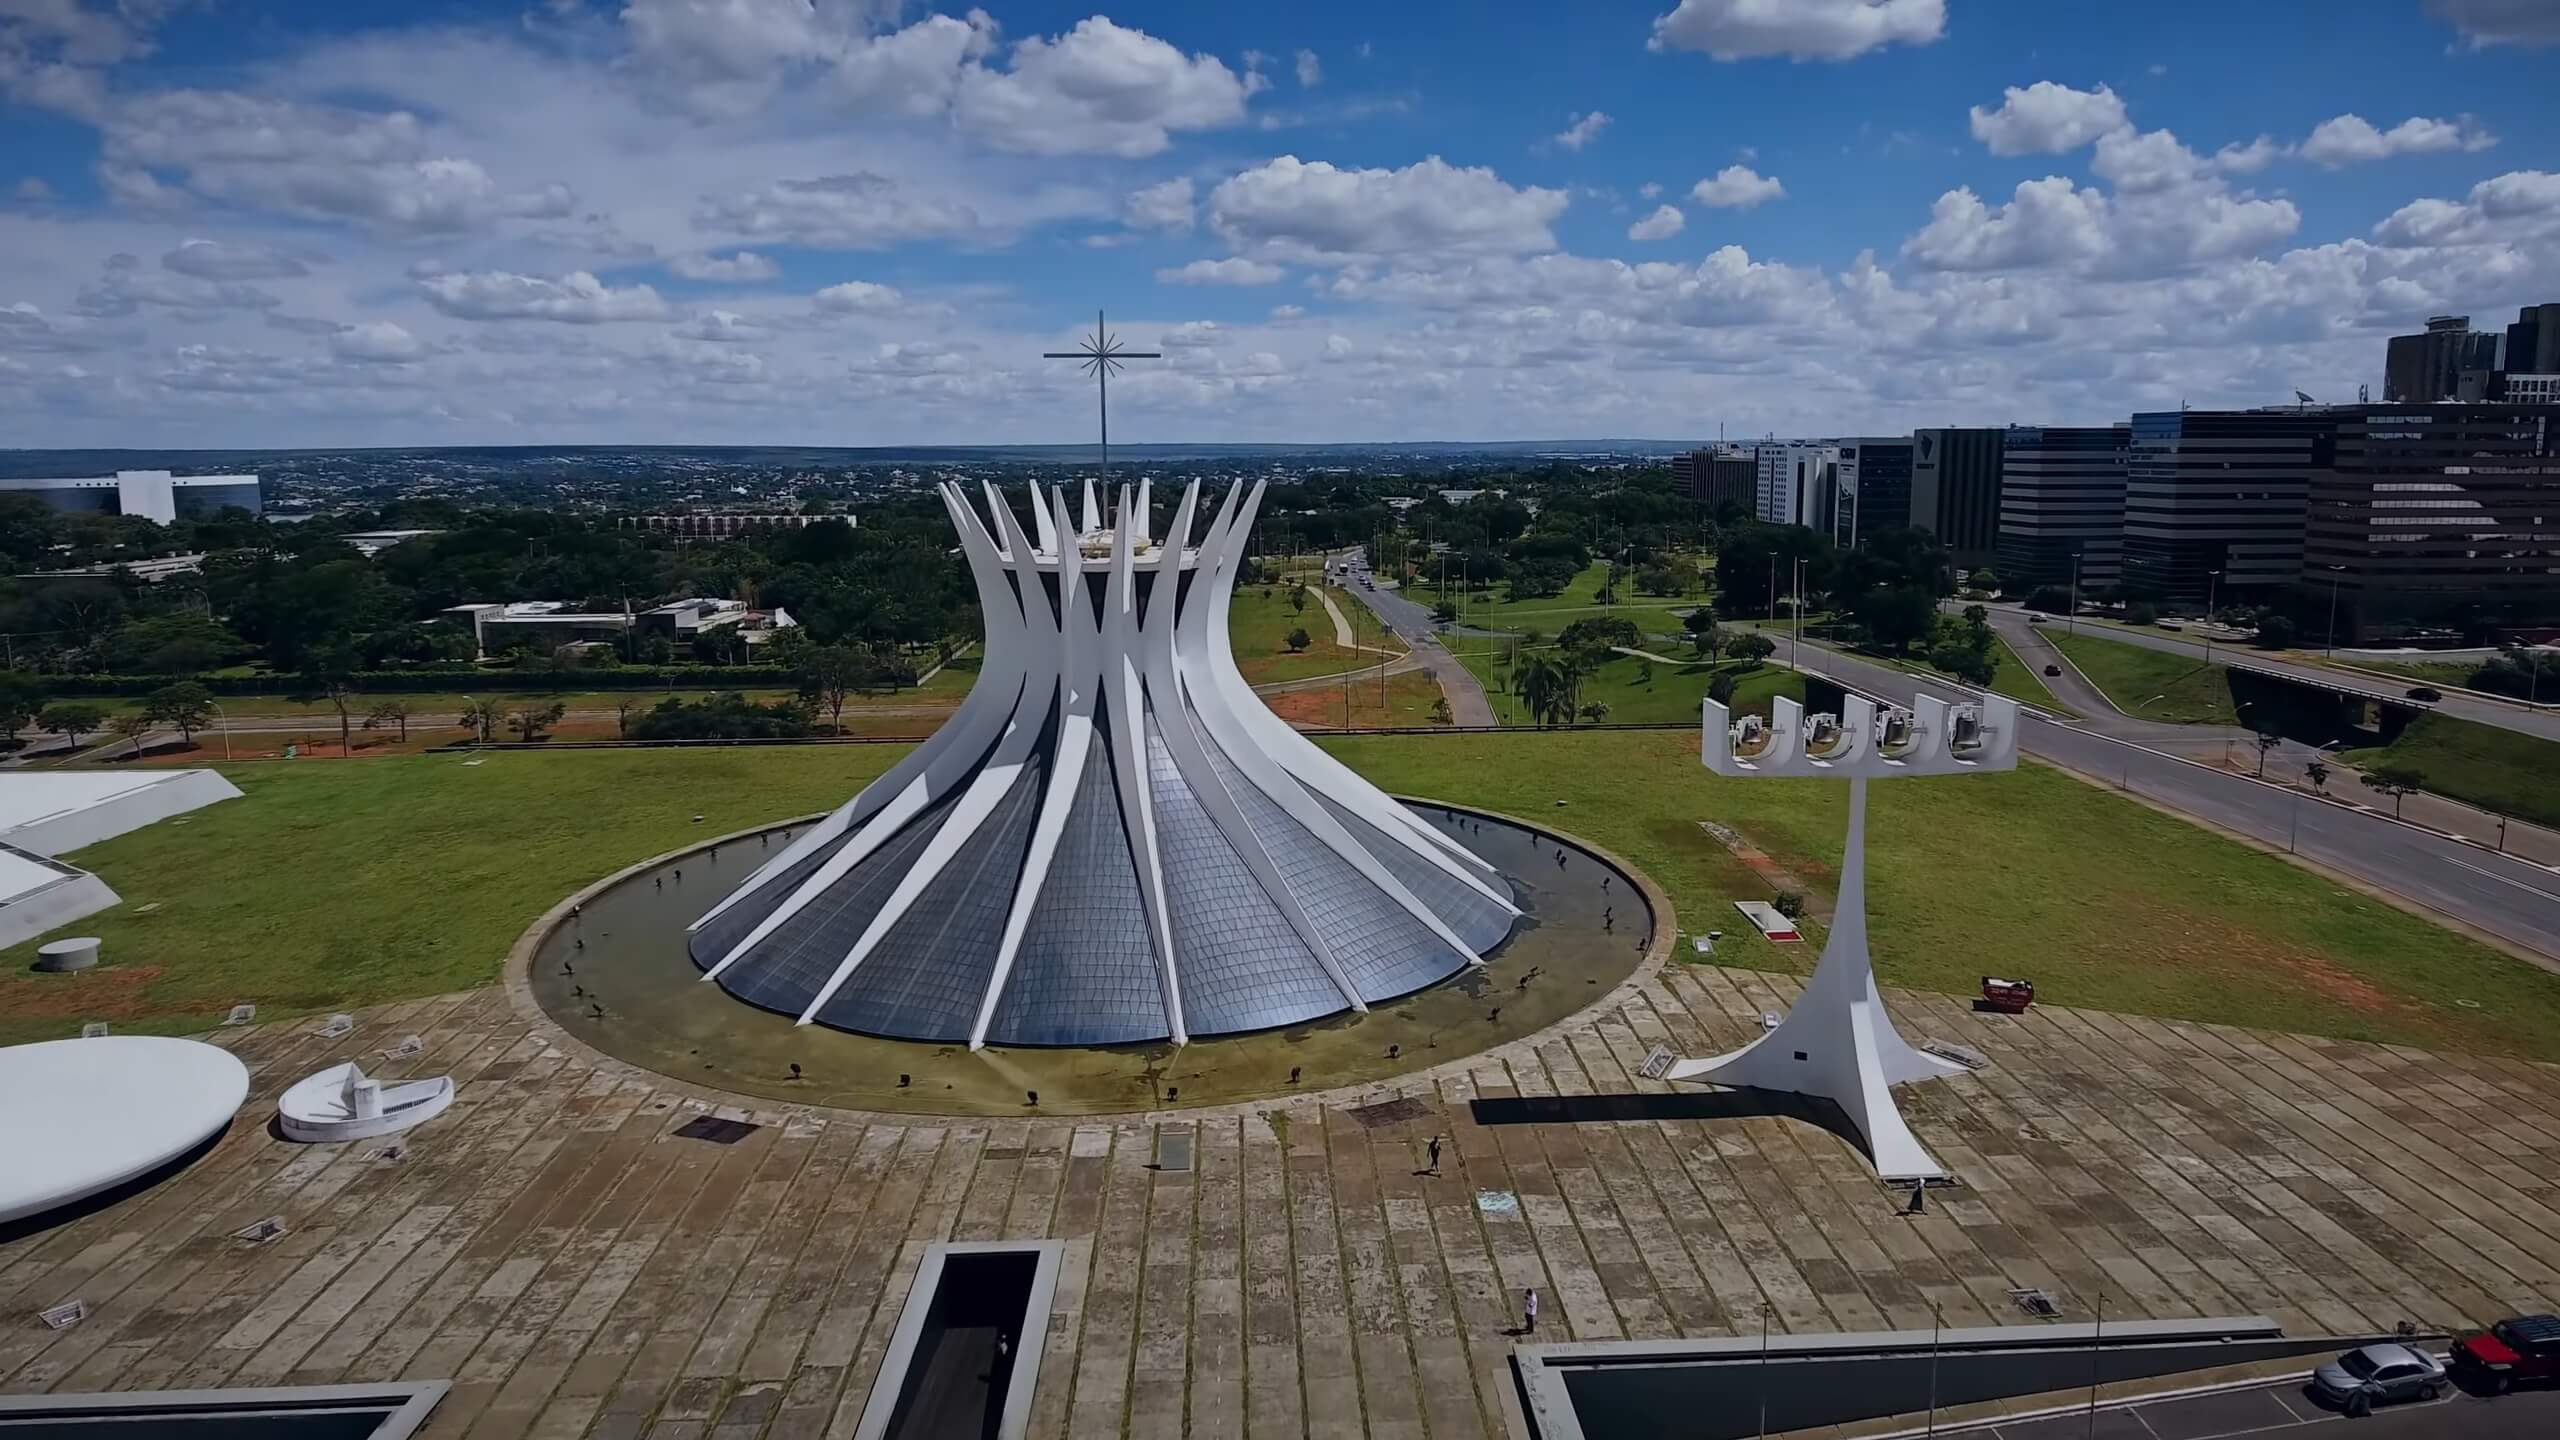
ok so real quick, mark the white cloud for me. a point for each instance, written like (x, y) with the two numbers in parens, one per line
(1797, 29)
(2249, 159)
(854, 296)
(719, 326)
(1193, 335)
(126, 287)
(2048, 222)
(2352, 139)
(2047, 119)
(858, 211)
(1098, 89)
(31, 190)
(1166, 206)
(1285, 313)
(2053, 224)
(1231, 271)
(377, 342)
(1650, 190)
(2138, 162)
(742, 267)
(576, 298)
(2501, 22)
(216, 260)
(1316, 211)
(1583, 130)
(1310, 69)
(2521, 205)
(1737, 187)
(1662, 224)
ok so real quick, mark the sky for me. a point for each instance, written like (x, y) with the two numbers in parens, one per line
(856, 222)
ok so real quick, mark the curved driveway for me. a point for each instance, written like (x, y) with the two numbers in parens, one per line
(1468, 704)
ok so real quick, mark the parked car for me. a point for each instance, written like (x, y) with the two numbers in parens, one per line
(2378, 1374)
(2053, 669)
(2428, 693)
(2522, 1351)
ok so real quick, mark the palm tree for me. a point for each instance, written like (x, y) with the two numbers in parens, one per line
(1546, 685)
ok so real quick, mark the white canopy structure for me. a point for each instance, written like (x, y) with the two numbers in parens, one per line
(1112, 840)
(1838, 1043)
(81, 1116)
(344, 1103)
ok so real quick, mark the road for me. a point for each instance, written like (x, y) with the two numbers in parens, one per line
(2515, 900)
(1468, 704)
(2544, 722)
(2286, 1408)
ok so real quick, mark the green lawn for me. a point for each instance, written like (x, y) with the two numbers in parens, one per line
(2010, 676)
(1580, 600)
(2451, 674)
(330, 885)
(2497, 770)
(2151, 684)
(1258, 626)
(1672, 693)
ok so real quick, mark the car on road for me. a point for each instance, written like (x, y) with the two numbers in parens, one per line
(2373, 1375)
(2427, 693)
(2053, 669)
(2523, 1350)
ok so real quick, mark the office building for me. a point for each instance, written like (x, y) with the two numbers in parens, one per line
(2429, 365)
(2214, 502)
(144, 494)
(1874, 490)
(1955, 490)
(2520, 389)
(2435, 521)
(1715, 477)
(1797, 483)
(2533, 342)
(542, 626)
(2061, 504)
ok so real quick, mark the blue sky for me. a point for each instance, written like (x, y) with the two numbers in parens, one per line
(772, 221)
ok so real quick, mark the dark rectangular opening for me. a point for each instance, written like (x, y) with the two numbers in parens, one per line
(961, 1369)
(311, 1412)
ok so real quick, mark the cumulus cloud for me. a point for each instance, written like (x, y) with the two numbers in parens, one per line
(2352, 139)
(2519, 205)
(377, 342)
(1285, 313)
(576, 298)
(1584, 129)
(1167, 206)
(217, 260)
(1310, 69)
(1737, 187)
(1316, 211)
(2051, 223)
(2047, 119)
(2483, 23)
(1193, 335)
(1231, 271)
(719, 326)
(1099, 89)
(857, 211)
(741, 267)
(1662, 224)
(1797, 29)
(126, 287)
(2249, 159)
(858, 296)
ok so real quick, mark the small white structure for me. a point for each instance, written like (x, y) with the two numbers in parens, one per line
(1838, 1043)
(344, 1103)
(48, 813)
(81, 1116)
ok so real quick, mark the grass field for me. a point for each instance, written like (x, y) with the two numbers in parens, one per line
(2454, 674)
(2010, 676)
(329, 886)
(1258, 626)
(1654, 614)
(1672, 693)
(2151, 684)
(2497, 770)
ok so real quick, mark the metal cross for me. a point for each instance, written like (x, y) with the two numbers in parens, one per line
(1101, 355)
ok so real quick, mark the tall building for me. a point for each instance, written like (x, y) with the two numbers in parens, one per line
(1955, 490)
(2429, 365)
(2440, 518)
(1075, 860)
(2214, 501)
(1798, 483)
(2533, 342)
(145, 494)
(1714, 476)
(1875, 487)
(2061, 501)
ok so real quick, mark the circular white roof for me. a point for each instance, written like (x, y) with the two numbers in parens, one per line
(81, 1116)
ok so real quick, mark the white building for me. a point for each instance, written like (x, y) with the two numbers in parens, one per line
(145, 494)
(1799, 483)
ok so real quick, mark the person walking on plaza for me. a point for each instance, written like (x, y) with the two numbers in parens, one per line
(1529, 1312)
(1434, 1167)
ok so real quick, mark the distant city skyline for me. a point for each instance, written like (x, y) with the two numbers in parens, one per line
(772, 222)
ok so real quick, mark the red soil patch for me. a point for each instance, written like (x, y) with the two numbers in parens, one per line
(111, 994)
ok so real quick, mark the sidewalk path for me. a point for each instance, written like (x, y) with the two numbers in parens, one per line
(1468, 704)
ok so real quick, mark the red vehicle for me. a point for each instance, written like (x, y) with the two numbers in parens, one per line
(2008, 997)
(2521, 1351)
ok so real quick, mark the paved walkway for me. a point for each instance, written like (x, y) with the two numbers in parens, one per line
(579, 1270)
(1468, 704)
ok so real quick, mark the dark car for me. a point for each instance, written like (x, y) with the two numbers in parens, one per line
(2053, 669)
(2521, 1351)
(2377, 1374)
(2428, 693)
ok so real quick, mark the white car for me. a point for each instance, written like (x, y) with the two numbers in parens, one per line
(2378, 1374)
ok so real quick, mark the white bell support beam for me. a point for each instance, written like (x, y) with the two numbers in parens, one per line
(1838, 1043)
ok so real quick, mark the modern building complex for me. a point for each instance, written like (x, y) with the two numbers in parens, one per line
(1874, 486)
(722, 524)
(2431, 365)
(548, 625)
(145, 494)
(1797, 483)
(1112, 840)
(2518, 389)
(2214, 502)
(1955, 490)
(1718, 476)
(2062, 506)
(2439, 520)
(2533, 342)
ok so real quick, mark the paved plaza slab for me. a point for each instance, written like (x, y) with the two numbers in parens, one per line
(554, 1247)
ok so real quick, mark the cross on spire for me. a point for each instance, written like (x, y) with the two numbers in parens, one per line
(1100, 355)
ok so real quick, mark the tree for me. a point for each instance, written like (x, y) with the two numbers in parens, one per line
(1789, 903)
(2396, 781)
(1298, 600)
(72, 719)
(331, 681)
(1299, 639)
(2268, 740)
(1441, 713)
(2142, 612)
(18, 705)
(830, 673)
(1546, 686)
(185, 707)
(1720, 687)
(2051, 599)
(529, 721)
(1895, 616)
(482, 716)
(1986, 579)
(1594, 712)
(2317, 773)
(1446, 612)
(2276, 631)
(1644, 671)
(1753, 647)
(391, 712)
(622, 709)
(132, 725)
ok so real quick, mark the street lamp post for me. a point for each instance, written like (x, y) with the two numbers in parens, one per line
(2329, 645)
(2071, 622)
(220, 714)
(2211, 579)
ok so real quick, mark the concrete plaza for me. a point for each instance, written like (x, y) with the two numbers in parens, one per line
(578, 1269)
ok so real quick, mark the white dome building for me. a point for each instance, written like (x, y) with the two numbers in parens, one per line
(1112, 840)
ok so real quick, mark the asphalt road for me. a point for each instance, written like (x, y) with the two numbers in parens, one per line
(1468, 704)
(2286, 1408)
(2513, 899)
